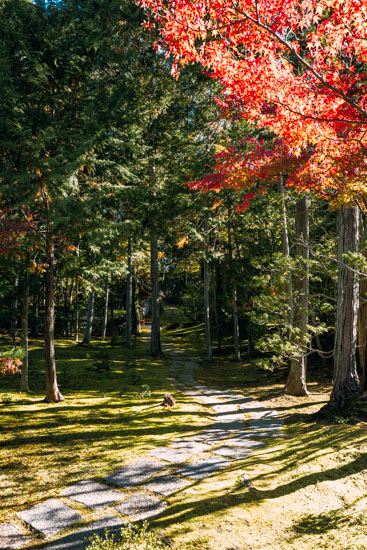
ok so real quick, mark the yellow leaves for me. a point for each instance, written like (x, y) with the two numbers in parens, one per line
(161, 255)
(38, 268)
(217, 203)
(181, 243)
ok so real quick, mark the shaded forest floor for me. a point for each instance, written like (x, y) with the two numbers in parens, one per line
(309, 488)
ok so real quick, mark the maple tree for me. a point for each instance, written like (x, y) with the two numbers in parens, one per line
(297, 68)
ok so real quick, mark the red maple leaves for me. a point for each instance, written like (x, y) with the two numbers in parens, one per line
(297, 67)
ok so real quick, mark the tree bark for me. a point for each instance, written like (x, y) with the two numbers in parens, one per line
(236, 332)
(215, 308)
(362, 311)
(136, 328)
(24, 385)
(89, 326)
(346, 384)
(286, 252)
(53, 394)
(296, 382)
(155, 335)
(105, 316)
(14, 314)
(77, 311)
(129, 293)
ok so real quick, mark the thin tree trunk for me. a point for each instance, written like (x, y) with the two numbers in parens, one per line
(296, 382)
(24, 386)
(135, 309)
(53, 394)
(77, 311)
(215, 308)
(105, 316)
(362, 312)
(155, 336)
(14, 314)
(236, 332)
(129, 293)
(89, 326)
(286, 252)
(208, 340)
(345, 382)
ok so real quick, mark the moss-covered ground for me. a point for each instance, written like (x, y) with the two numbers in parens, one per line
(309, 489)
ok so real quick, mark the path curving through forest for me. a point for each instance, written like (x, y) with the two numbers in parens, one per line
(166, 470)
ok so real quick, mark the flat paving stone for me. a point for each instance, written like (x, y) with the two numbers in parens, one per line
(229, 418)
(92, 494)
(267, 413)
(232, 452)
(166, 485)
(141, 506)
(248, 443)
(135, 473)
(261, 433)
(266, 424)
(204, 468)
(225, 408)
(80, 539)
(50, 517)
(176, 456)
(11, 537)
(189, 446)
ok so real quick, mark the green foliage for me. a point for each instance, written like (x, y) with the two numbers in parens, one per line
(133, 537)
(144, 392)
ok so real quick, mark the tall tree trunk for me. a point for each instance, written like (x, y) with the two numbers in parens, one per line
(105, 316)
(89, 326)
(286, 252)
(77, 311)
(129, 293)
(215, 308)
(362, 312)
(14, 313)
(296, 383)
(135, 309)
(53, 394)
(155, 336)
(24, 386)
(345, 381)
(236, 332)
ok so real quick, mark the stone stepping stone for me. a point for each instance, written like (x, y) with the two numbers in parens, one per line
(166, 485)
(50, 517)
(225, 408)
(176, 456)
(92, 494)
(80, 539)
(260, 433)
(135, 473)
(204, 468)
(252, 406)
(267, 413)
(141, 506)
(229, 418)
(189, 446)
(212, 435)
(232, 452)
(266, 424)
(242, 442)
(11, 537)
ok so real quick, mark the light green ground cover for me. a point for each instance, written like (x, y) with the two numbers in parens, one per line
(310, 488)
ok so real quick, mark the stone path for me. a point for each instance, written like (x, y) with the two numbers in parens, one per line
(166, 471)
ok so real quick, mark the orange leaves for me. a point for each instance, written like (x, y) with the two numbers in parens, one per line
(181, 243)
(10, 365)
